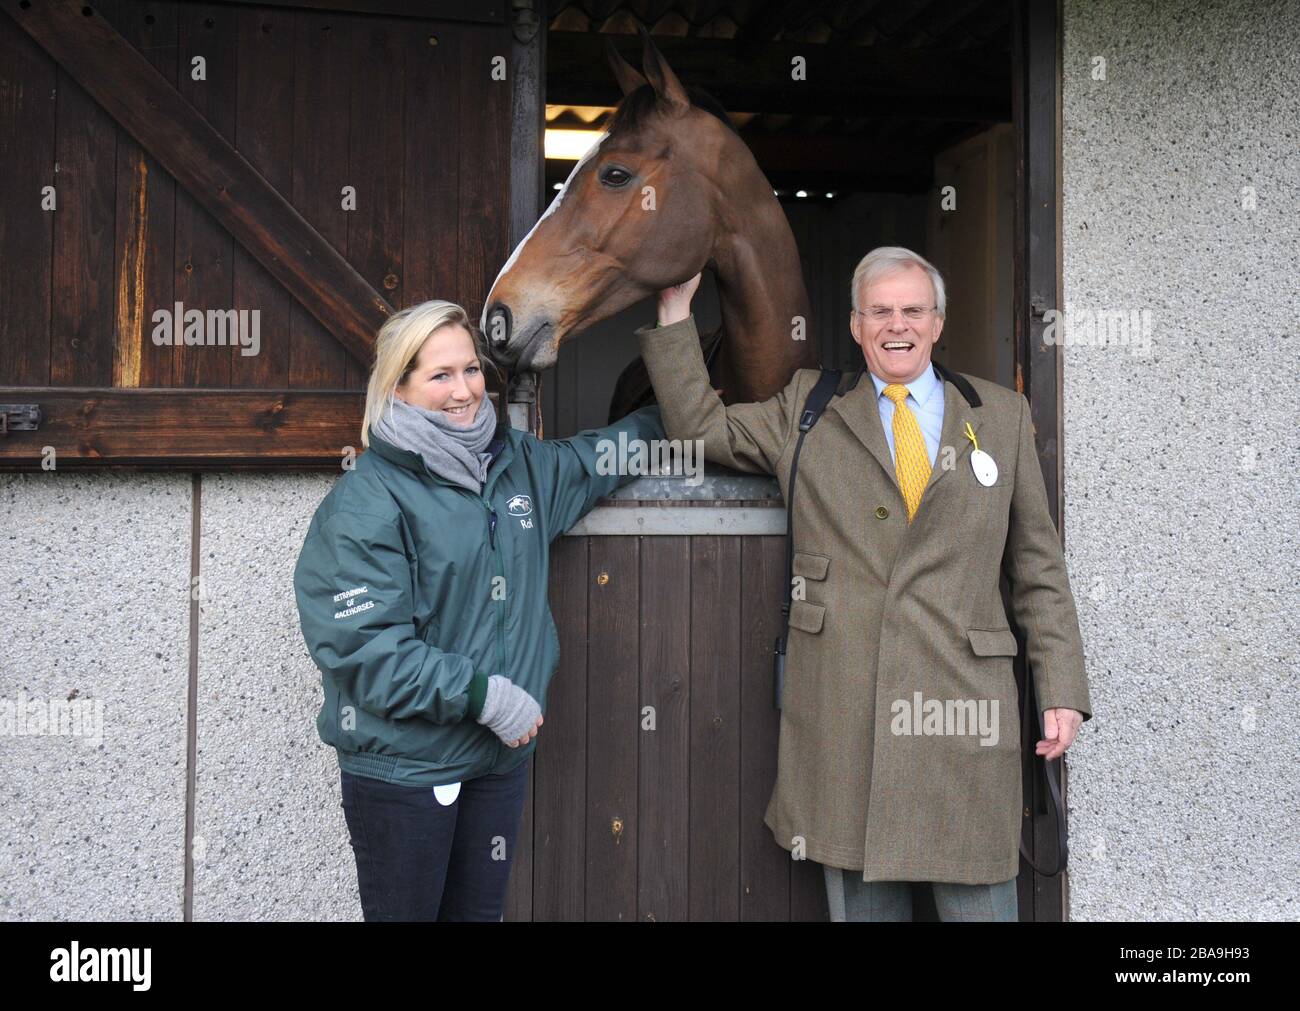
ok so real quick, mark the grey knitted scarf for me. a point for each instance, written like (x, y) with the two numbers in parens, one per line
(452, 451)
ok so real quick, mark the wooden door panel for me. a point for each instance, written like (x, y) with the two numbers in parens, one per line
(222, 189)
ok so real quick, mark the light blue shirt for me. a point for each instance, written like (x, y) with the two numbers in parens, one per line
(925, 398)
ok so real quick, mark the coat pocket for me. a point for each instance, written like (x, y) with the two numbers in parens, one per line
(806, 615)
(809, 565)
(992, 641)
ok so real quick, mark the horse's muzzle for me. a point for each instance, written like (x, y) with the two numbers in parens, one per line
(515, 348)
(497, 324)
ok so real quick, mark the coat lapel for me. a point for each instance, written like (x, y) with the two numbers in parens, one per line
(861, 413)
(956, 413)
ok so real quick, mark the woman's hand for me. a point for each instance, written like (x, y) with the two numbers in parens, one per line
(531, 734)
(675, 302)
(509, 712)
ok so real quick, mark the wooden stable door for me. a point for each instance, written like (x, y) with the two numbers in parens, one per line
(182, 164)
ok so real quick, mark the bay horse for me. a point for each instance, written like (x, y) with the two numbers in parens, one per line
(667, 189)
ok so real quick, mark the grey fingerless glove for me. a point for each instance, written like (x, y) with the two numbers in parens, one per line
(508, 710)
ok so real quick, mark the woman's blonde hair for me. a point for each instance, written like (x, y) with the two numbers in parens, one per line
(398, 344)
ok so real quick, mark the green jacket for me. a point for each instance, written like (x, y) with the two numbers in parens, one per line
(412, 591)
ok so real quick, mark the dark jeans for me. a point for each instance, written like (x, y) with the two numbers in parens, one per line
(418, 859)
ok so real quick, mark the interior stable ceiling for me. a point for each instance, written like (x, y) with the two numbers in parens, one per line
(888, 85)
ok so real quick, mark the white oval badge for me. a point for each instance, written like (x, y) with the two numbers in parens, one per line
(447, 793)
(986, 471)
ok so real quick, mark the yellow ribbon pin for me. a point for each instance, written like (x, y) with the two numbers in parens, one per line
(986, 471)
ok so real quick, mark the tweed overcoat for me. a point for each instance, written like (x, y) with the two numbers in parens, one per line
(899, 750)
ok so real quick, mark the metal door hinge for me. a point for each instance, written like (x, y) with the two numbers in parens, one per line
(19, 418)
(525, 20)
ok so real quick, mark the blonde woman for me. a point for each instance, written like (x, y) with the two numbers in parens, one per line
(422, 594)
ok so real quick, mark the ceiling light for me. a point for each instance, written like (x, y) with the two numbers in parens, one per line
(570, 145)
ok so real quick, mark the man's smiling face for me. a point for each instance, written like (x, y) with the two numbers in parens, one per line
(897, 348)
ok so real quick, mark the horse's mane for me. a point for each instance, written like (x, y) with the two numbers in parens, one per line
(637, 106)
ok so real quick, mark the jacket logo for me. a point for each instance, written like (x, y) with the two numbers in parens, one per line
(352, 606)
(519, 505)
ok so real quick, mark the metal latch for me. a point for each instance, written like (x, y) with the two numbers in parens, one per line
(19, 418)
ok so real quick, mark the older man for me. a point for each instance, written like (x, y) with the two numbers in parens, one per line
(899, 755)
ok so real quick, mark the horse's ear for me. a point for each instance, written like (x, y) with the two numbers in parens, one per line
(661, 77)
(628, 77)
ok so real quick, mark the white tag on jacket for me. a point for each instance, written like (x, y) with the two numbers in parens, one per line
(986, 471)
(447, 793)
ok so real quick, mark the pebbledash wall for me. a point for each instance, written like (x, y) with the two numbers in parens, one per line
(1181, 523)
(1182, 504)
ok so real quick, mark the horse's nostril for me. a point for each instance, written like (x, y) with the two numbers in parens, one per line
(498, 327)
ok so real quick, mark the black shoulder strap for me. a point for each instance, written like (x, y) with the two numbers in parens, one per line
(1028, 711)
(959, 381)
(818, 397)
(711, 344)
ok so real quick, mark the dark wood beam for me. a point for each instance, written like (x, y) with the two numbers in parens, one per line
(527, 198)
(1036, 242)
(979, 24)
(933, 21)
(842, 80)
(218, 428)
(144, 104)
(861, 181)
(767, 23)
(485, 11)
(171, 428)
(842, 154)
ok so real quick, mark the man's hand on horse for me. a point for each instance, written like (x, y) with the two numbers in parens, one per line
(675, 300)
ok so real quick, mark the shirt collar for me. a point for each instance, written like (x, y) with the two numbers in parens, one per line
(921, 388)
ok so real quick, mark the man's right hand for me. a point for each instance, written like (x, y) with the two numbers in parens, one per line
(675, 301)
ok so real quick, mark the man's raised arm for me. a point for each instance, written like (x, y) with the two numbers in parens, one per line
(747, 437)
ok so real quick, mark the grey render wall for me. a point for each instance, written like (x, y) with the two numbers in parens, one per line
(95, 569)
(98, 572)
(1181, 505)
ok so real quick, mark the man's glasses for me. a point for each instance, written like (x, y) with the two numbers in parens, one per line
(884, 313)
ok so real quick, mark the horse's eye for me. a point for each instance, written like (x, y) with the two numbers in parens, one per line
(614, 176)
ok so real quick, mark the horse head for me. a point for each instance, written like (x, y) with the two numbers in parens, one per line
(634, 216)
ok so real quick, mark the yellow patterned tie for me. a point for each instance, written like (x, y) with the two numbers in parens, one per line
(911, 459)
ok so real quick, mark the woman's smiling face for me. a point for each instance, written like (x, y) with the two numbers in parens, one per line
(447, 375)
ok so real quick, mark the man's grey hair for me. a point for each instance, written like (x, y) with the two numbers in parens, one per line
(885, 260)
